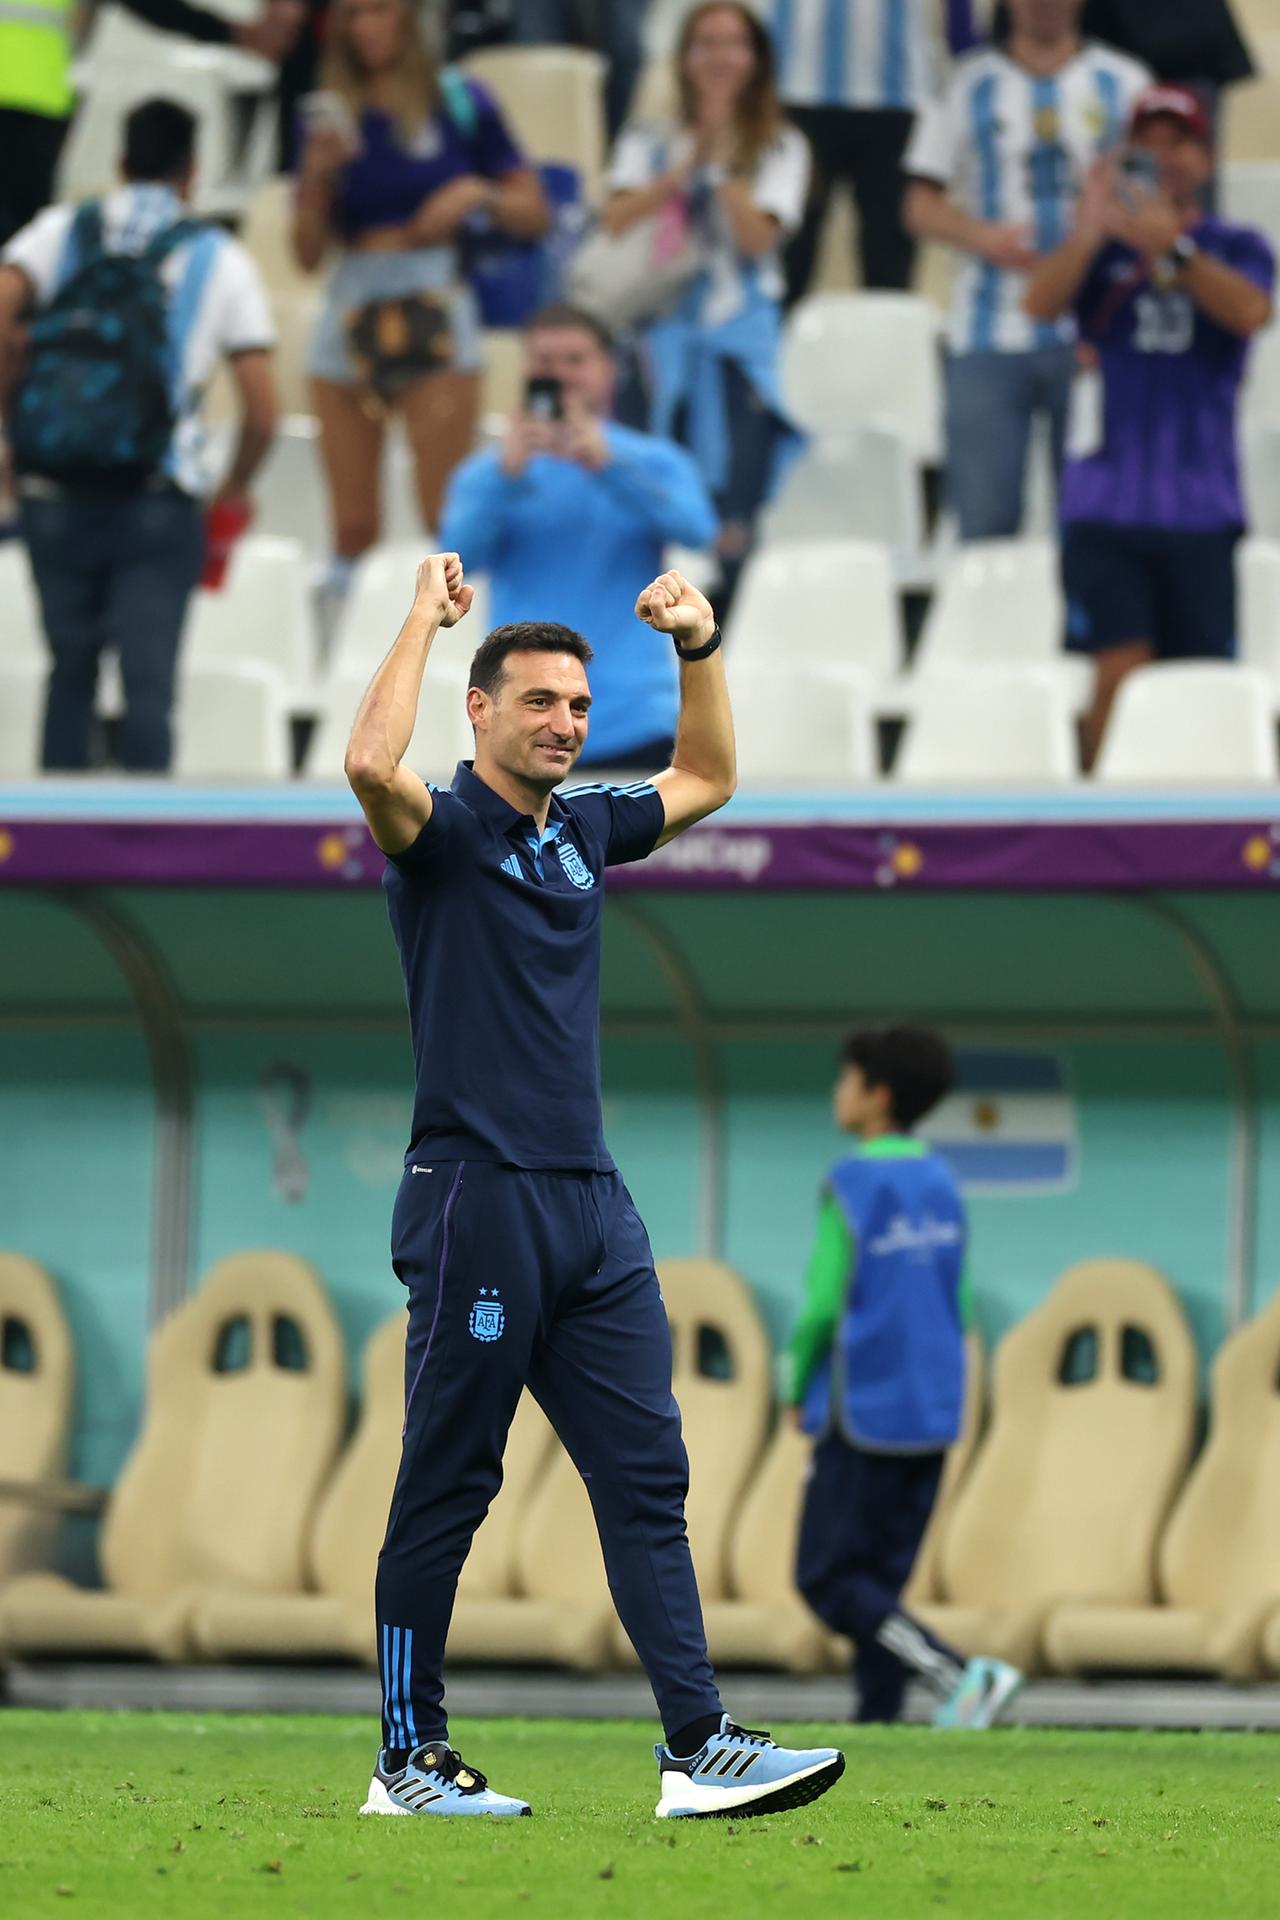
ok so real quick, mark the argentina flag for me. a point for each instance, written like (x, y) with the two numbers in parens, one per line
(1010, 1124)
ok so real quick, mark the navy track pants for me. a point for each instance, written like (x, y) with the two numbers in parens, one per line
(863, 1520)
(522, 1278)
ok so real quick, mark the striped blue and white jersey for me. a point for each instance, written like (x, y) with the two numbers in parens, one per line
(856, 53)
(218, 303)
(1014, 146)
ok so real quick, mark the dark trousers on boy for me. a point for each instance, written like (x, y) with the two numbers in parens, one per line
(864, 1517)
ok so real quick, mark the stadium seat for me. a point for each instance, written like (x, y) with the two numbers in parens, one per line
(1198, 722)
(803, 726)
(244, 1414)
(231, 723)
(261, 614)
(289, 490)
(21, 627)
(822, 603)
(1219, 1557)
(1093, 1420)
(380, 597)
(21, 718)
(335, 1618)
(553, 101)
(765, 1623)
(1251, 112)
(923, 1585)
(861, 486)
(1258, 588)
(998, 602)
(985, 726)
(1260, 402)
(721, 1375)
(267, 234)
(854, 360)
(441, 738)
(36, 1379)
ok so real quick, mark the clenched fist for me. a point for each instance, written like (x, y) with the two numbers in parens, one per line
(672, 606)
(440, 591)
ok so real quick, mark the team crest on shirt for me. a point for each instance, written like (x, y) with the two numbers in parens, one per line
(487, 1317)
(575, 867)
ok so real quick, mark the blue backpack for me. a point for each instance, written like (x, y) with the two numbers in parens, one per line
(98, 403)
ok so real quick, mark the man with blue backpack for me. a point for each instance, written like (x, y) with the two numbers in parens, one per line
(875, 1369)
(113, 317)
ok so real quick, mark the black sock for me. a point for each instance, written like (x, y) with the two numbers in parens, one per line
(695, 1736)
(393, 1758)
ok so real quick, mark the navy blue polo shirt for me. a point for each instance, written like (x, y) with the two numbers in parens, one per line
(498, 929)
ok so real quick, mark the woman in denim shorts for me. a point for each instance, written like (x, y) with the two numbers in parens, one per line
(398, 160)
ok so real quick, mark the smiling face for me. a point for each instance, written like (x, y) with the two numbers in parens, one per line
(534, 725)
(719, 58)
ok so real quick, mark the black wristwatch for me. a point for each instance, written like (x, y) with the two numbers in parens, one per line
(1180, 255)
(698, 653)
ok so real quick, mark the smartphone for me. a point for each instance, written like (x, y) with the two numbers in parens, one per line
(544, 398)
(328, 113)
(1139, 175)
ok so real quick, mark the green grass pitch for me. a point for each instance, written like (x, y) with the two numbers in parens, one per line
(193, 1815)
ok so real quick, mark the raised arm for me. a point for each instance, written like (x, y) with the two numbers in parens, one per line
(396, 803)
(703, 771)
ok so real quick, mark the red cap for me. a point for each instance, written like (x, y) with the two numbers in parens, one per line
(1177, 103)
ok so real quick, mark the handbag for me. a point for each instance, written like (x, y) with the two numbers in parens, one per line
(627, 279)
(395, 342)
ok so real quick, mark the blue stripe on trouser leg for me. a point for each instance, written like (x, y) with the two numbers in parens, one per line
(392, 1734)
(406, 1689)
(545, 1278)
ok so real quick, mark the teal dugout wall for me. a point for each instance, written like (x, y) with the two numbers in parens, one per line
(186, 1073)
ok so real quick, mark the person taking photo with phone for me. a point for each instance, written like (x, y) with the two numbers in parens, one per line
(569, 505)
(1166, 298)
(398, 158)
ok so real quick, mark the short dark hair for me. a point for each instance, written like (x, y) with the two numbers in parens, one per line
(561, 314)
(159, 141)
(525, 636)
(914, 1063)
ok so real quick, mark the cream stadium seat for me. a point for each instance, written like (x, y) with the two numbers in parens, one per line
(267, 235)
(244, 1414)
(765, 1623)
(798, 725)
(855, 486)
(335, 1618)
(722, 1369)
(1093, 1420)
(841, 610)
(22, 639)
(1252, 111)
(982, 726)
(22, 685)
(552, 98)
(1219, 1560)
(36, 1378)
(1198, 722)
(261, 613)
(853, 360)
(1258, 586)
(232, 723)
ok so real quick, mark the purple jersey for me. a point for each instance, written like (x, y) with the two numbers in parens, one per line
(1171, 381)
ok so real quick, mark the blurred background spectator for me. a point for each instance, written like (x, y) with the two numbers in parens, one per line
(571, 504)
(36, 93)
(737, 174)
(1167, 298)
(117, 545)
(398, 160)
(996, 167)
(854, 74)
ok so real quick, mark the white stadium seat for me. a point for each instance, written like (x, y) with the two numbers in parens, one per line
(859, 486)
(289, 489)
(854, 360)
(441, 738)
(231, 724)
(799, 725)
(1202, 722)
(985, 726)
(380, 597)
(998, 602)
(1250, 196)
(21, 628)
(21, 718)
(262, 612)
(822, 604)
(1258, 590)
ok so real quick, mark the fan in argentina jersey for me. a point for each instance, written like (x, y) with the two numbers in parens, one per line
(997, 166)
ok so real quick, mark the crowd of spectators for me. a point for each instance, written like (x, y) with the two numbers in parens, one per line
(1090, 284)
